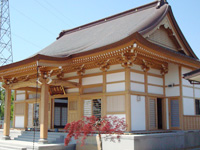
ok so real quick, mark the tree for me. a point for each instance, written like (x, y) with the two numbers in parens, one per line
(2, 98)
(93, 125)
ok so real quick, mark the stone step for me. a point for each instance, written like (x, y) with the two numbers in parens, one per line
(53, 137)
(11, 147)
(50, 139)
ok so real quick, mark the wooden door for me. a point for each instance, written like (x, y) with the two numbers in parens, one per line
(153, 113)
(174, 113)
(73, 111)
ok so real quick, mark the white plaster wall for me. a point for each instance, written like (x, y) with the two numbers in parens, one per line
(155, 89)
(90, 71)
(18, 92)
(113, 77)
(173, 74)
(30, 115)
(167, 113)
(115, 67)
(115, 87)
(188, 106)
(155, 80)
(20, 97)
(92, 80)
(197, 93)
(187, 91)
(33, 96)
(154, 71)
(186, 82)
(74, 90)
(88, 108)
(137, 113)
(196, 85)
(137, 77)
(172, 91)
(136, 67)
(137, 87)
(119, 116)
(74, 80)
(185, 70)
(19, 121)
(71, 74)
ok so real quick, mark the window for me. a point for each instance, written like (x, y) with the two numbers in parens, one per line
(36, 114)
(97, 108)
(197, 106)
(92, 107)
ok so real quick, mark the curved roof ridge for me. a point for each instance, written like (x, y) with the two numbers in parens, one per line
(116, 16)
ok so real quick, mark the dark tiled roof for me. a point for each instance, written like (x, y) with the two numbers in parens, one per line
(106, 31)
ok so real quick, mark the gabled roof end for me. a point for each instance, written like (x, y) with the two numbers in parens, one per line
(160, 3)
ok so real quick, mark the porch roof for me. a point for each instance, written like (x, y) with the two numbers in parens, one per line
(193, 77)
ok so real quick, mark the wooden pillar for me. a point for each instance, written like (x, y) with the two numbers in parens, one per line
(26, 112)
(146, 100)
(80, 101)
(128, 98)
(6, 131)
(44, 112)
(181, 98)
(104, 100)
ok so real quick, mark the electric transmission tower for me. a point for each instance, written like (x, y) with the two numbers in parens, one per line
(6, 56)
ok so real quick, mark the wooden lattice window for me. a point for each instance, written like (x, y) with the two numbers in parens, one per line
(116, 103)
(73, 105)
(96, 108)
(197, 106)
(19, 109)
(55, 90)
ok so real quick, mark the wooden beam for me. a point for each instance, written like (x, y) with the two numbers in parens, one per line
(32, 89)
(23, 84)
(44, 112)
(59, 82)
(6, 131)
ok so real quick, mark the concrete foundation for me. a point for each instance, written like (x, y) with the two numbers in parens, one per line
(161, 141)
(5, 138)
(42, 141)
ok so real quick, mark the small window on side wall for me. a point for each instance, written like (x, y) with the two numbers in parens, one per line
(197, 106)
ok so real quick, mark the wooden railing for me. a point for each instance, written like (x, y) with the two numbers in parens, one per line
(191, 122)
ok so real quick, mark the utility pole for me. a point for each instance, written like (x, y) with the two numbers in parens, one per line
(6, 56)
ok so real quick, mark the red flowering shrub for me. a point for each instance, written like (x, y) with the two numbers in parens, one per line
(93, 125)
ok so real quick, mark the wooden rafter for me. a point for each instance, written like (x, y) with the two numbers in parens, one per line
(60, 82)
(32, 89)
(23, 84)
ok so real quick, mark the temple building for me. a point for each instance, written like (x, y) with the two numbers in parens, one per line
(130, 65)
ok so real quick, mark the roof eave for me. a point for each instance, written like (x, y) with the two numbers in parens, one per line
(181, 34)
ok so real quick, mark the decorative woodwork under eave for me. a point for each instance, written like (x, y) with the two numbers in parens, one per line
(104, 65)
(22, 84)
(59, 82)
(32, 89)
(145, 66)
(127, 59)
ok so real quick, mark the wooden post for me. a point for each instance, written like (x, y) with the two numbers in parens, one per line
(6, 131)
(103, 105)
(181, 98)
(44, 112)
(128, 98)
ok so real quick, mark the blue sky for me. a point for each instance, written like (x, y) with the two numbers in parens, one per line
(36, 23)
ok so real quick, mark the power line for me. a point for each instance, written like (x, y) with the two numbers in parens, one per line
(48, 31)
(27, 41)
(49, 10)
(57, 10)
